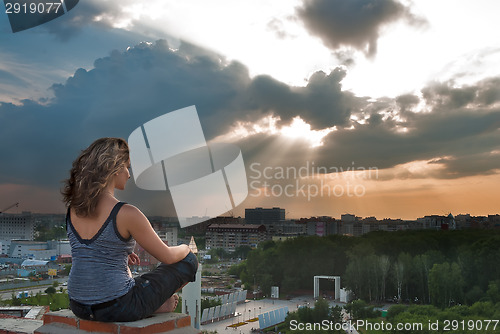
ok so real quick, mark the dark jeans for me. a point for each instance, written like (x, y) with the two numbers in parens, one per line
(150, 291)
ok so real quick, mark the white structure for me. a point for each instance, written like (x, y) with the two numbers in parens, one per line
(345, 296)
(17, 226)
(273, 317)
(40, 250)
(337, 285)
(191, 294)
(31, 249)
(275, 292)
(226, 310)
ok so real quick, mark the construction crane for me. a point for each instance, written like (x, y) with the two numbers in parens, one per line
(10, 207)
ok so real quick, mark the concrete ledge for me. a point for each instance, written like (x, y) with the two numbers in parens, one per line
(18, 325)
(65, 321)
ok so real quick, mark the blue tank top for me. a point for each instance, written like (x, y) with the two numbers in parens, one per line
(100, 271)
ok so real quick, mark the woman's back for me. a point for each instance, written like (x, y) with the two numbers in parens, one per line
(99, 272)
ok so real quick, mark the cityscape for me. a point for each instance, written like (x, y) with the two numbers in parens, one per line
(19, 231)
(35, 250)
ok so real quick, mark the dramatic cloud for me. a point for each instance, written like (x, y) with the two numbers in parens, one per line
(355, 24)
(453, 127)
(321, 102)
(459, 123)
(90, 12)
(452, 132)
(127, 89)
(466, 137)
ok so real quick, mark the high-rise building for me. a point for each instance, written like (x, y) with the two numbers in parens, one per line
(231, 236)
(20, 226)
(263, 216)
(169, 235)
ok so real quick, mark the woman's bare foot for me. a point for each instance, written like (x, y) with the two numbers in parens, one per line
(170, 305)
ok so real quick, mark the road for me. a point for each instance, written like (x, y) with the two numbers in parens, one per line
(7, 294)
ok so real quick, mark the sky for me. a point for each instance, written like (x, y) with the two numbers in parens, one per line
(375, 108)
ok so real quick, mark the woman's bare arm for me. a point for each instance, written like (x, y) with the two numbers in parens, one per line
(137, 225)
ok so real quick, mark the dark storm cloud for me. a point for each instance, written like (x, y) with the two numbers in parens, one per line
(490, 92)
(322, 103)
(127, 89)
(485, 92)
(447, 96)
(100, 13)
(344, 57)
(461, 123)
(407, 101)
(354, 23)
(460, 136)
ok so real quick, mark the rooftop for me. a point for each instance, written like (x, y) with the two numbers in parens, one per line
(235, 226)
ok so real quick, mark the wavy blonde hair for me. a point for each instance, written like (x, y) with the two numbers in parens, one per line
(91, 173)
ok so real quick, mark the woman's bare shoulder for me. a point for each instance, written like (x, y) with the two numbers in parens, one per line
(130, 213)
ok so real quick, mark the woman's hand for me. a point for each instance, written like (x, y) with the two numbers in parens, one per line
(133, 259)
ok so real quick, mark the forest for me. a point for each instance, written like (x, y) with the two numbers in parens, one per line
(442, 268)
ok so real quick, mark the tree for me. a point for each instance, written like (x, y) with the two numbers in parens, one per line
(359, 271)
(493, 291)
(402, 269)
(45, 233)
(50, 290)
(474, 295)
(446, 284)
(219, 253)
(242, 251)
(237, 269)
(359, 309)
(395, 310)
(316, 315)
(384, 266)
(15, 301)
(321, 310)
(66, 270)
(208, 303)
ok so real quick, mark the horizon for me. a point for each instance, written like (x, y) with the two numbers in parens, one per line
(287, 218)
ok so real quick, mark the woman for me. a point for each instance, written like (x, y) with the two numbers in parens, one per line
(103, 232)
